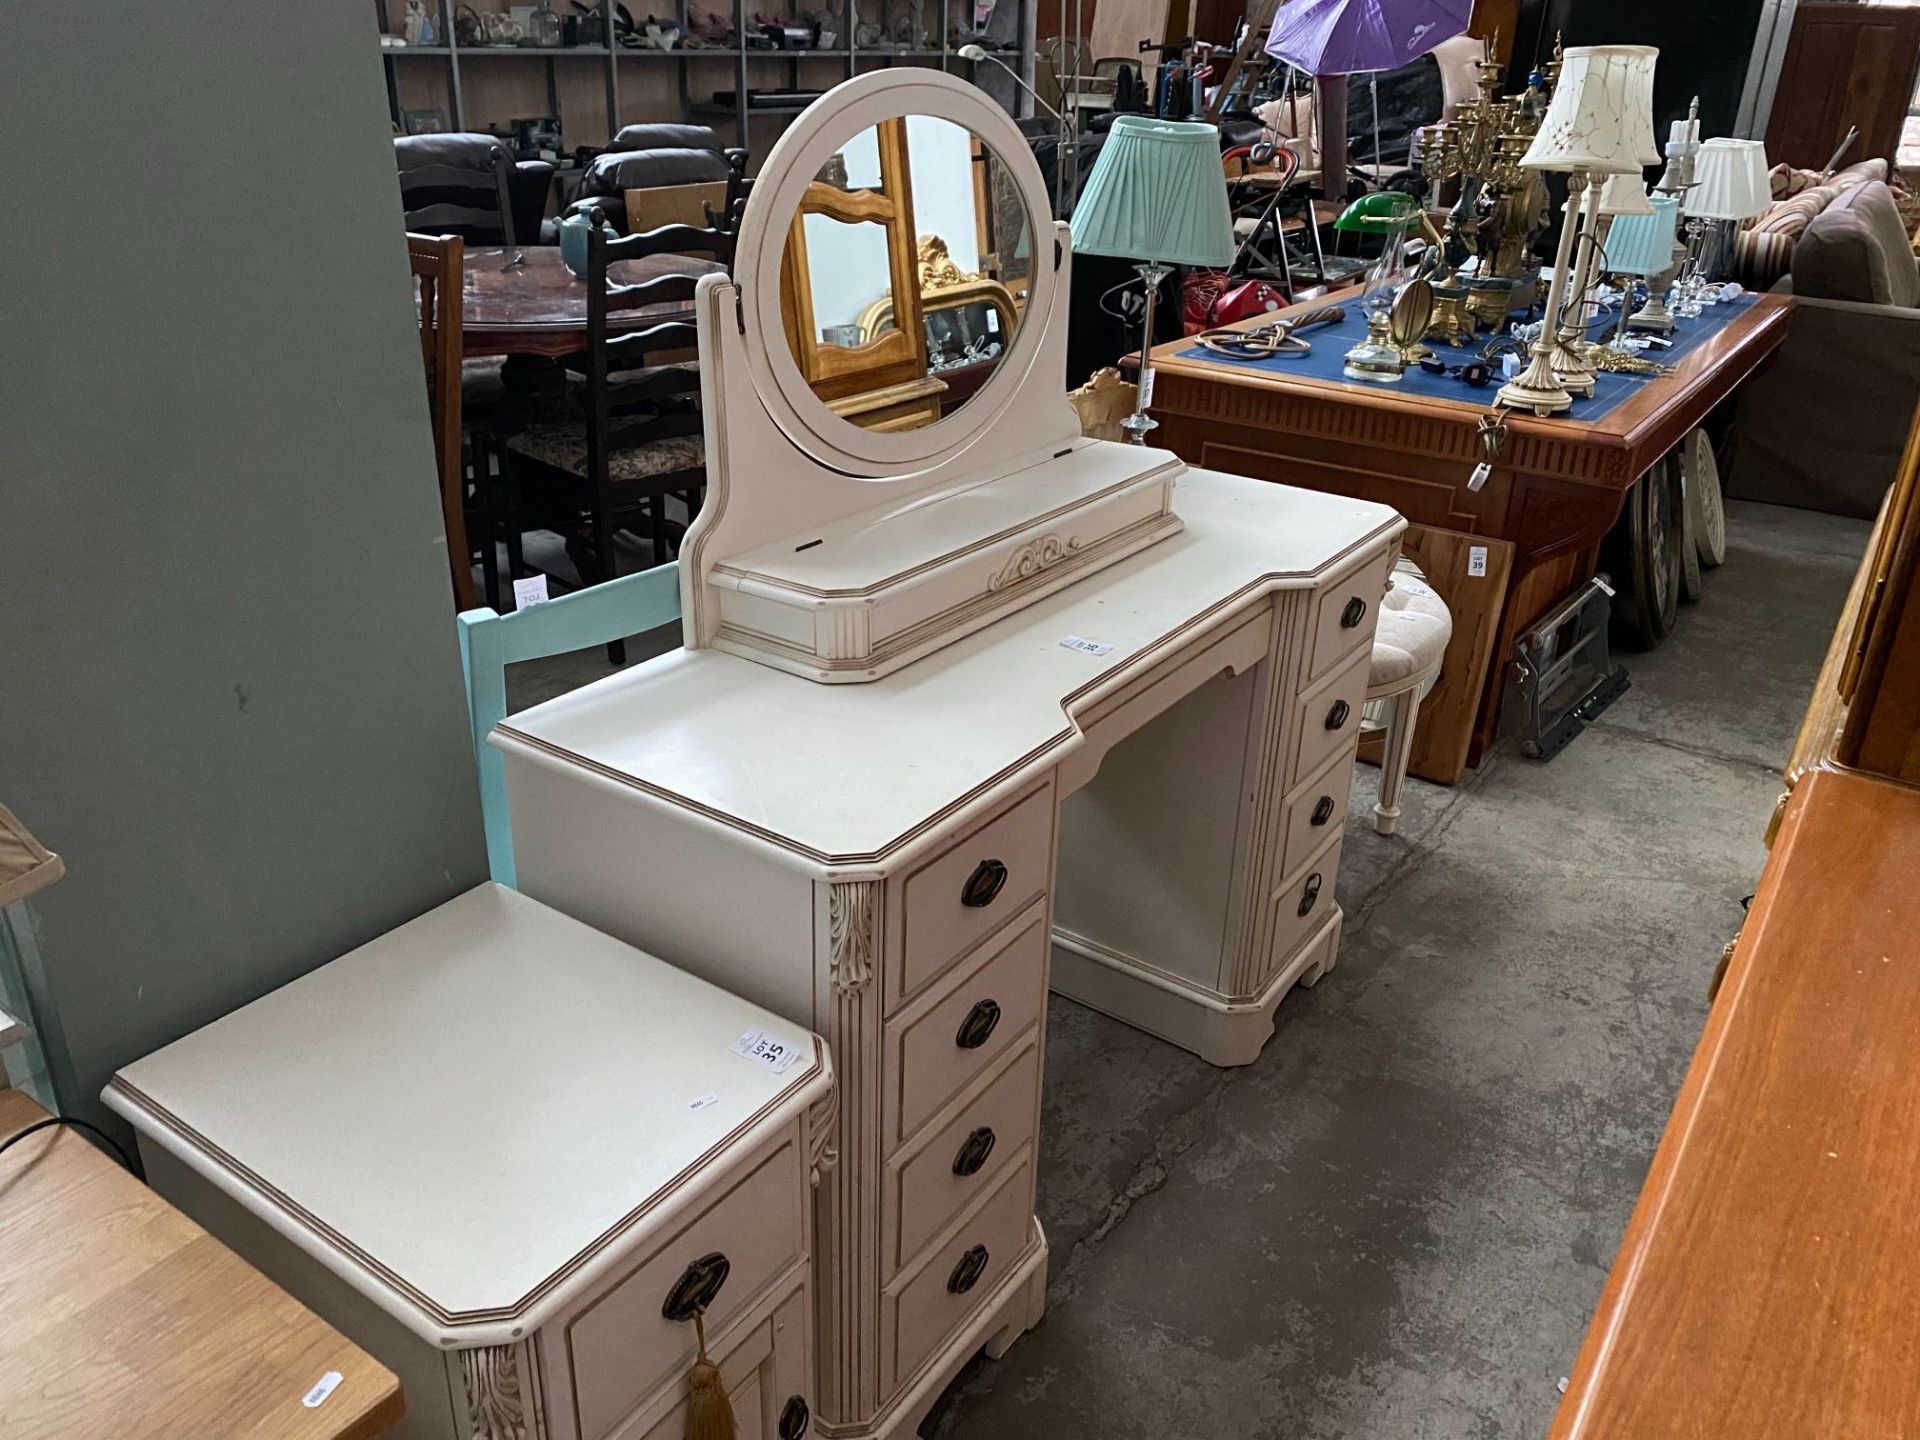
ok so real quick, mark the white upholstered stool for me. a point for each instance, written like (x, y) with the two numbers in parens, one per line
(1408, 644)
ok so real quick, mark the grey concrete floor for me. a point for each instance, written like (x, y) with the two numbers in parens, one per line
(1394, 1225)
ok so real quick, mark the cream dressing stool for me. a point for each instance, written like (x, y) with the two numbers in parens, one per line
(510, 1156)
(1408, 645)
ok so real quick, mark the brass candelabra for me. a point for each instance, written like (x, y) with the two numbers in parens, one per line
(1500, 208)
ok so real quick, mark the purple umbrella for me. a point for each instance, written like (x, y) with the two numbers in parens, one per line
(1347, 37)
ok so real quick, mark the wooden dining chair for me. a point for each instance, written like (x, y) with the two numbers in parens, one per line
(641, 440)
(436, 263)
(601, 615)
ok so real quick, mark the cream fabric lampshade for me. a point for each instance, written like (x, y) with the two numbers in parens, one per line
(1732, 176)
(1601, 115)
(1625, 194)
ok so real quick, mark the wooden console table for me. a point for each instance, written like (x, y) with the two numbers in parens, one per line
(1555, 491)
(1769, 1282)
(121, 1317)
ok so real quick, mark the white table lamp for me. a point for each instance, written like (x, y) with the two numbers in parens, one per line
(1599, 123)
(1730, 180)
(1730, 185)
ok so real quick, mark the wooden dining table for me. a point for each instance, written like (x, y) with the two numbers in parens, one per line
(521, 300)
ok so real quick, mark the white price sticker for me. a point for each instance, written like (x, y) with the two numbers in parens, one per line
(530, 591)
(322, 1388)
(700, 1102)
(1146, 386)
(763, 1047)
(1085, 647)
(1476, 560)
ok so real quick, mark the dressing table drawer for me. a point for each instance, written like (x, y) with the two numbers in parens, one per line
(1301, 906)
(1344, 613)
(955, 1163)
(1326, 721)
(928, 1304)
(973, 888)
(943, 1042)
(1315, 812)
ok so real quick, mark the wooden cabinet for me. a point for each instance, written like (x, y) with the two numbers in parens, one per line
(1769, 1280)
(1865, 709)
(491, 1147)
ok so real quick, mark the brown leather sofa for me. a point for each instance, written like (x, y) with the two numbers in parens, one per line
(1824, 425)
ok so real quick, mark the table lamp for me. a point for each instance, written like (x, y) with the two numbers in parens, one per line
(1621, 195)
(1642, 245)
(1158, 195)
(1388, 214)
(1599, 123)
(1730, 185)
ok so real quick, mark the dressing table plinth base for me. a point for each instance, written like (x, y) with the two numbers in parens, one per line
(1221, 1032)
(1016, 1308)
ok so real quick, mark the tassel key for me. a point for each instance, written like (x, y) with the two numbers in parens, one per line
(709, 1412)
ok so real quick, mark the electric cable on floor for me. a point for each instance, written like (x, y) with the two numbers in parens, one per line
(55, 1120)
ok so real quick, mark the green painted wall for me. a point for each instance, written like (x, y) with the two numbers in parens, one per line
(229, 686)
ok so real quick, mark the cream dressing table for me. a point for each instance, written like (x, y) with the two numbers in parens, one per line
(965, 712)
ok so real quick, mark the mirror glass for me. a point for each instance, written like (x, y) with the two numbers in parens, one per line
(906, 273)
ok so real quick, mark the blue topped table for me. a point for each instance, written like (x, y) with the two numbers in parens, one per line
(1501, 556)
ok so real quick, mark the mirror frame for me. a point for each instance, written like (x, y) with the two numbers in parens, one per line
(821, 130)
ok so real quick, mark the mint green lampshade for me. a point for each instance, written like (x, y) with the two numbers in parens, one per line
(1157, 192)
(1643, 244)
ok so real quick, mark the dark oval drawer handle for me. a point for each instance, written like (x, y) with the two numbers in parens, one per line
(794, 1418)
(988, 877)
(1337, 716)
(1323, 811)
(967, 1273)
(698, 1286)
(974, 1151)
(1355, 612)
(1310, 894)
(978, 1025)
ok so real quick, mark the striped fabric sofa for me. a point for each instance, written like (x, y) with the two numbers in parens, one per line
(1763, 250)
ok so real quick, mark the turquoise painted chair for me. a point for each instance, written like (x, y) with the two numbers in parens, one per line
(489, 643)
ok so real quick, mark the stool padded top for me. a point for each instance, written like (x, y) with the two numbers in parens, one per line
(1414, 628)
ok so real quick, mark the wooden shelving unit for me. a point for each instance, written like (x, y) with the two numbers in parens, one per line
(594, 89)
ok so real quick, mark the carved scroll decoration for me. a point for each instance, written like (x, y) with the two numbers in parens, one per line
(1031, 558)
(852, 932)
(821, 1120)
(496, 1406)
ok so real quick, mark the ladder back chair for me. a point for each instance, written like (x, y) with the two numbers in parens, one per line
(436, 262)
(642, 439)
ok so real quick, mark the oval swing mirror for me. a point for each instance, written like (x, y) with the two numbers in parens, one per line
(906, 273)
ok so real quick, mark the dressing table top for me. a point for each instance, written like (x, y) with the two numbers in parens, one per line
(468, 1115)
(848, 773)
